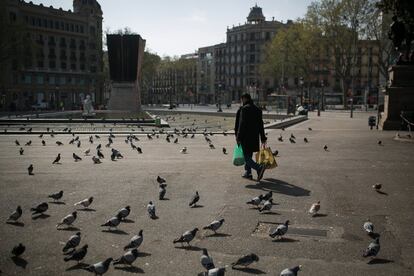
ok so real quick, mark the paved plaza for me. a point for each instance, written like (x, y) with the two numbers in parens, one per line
(329, 244)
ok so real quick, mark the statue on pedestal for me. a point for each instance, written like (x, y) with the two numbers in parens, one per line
(87, 107)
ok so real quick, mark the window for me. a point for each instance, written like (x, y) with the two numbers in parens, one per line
(40, 63)
(52, 64)
(39, 79)
(92, 30)
(252, 58)
(62, 80)
(52, 80)
(27, 79)
(63, 65)
(73, 66)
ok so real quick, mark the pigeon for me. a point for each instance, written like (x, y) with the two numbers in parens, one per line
(30, 169)
(275, 153)
(29, 143)
(280, 138)
(267, 196)
(16, 214)
(100, 154)
(40, 209)
(245, 260)
(183, 150)
(377, 186)
(325, 148)
(211, 146)
(113, 156)
(139, 150)
(135, 241)
(267, 206)
(85, 203)
(86, 152)
(216, 271)
(187, 237)
(369, 227)
(112, 222)
(380, 143)
(96, 160)
(194, 200)
(57, 159)
(18, 250)
(162, 191)
(176, 141)
(73, 241)
(59, 143)
(76, 158)
(21, 151)
(309, 128)
(224, 150)
(292, 136)
(56, 196)
(214, 226)
(100, 268)
(206, 260)
(124, 212)
(128, 258)
(78, 254)
(314, 209)
(160, 180)
(372, 249)
(68, 220)
(291, 271)
(98, 147)
(151, 210)
(305, 140)
(43, 143)
(280, 230)
(256, 200)
(292, 140)
(97, 136)
(17, 143)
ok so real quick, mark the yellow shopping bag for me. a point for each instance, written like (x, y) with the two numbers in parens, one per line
(265, 157)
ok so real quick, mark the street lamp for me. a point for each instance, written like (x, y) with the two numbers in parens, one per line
(301, 93)
(219, 98)
(319, 97)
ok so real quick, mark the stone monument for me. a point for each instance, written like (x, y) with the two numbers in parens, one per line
(125, 54)
(87, 107)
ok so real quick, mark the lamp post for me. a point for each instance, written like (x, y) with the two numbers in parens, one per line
(319, 97)
(301, 92)
(219, 98)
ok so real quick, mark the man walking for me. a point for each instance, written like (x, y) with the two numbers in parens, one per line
(248, 127)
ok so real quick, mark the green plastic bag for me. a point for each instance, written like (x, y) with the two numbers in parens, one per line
(238, 157)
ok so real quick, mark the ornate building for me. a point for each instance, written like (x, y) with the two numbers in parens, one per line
(62, 57)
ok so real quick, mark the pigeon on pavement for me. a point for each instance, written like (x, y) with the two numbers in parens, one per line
(56, 196)
(76, 157)
(16, 214)
(124, 212)
(314, 209)
(267, 206)
(216, 271)
(183, 150)
(206, 260)
(86, 152)
(280, 230)
(256, 200)
(194, 200)
(325, 148)
(291, 271)
(100, 268)
(128, 258)
(85, 203)
(135, 241)
(267, 196)
(160, 180)
(73, 241)
(21, 151)
(214, 226)
(18, 250)
(377, 186)
(186, 237)
(162, 191)
(30, 169)
(245, 260)
(112, 222)
(78, 254)
(373, 249)
(96, 160)
(305, 140)
(57, 159)
(369, 227)
(40, 209)
(68, 220)
(151, 210)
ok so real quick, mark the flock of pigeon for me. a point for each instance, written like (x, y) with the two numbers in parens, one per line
(73, 251)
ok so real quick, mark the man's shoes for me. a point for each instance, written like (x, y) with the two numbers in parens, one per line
(247, 176)
(260, 173)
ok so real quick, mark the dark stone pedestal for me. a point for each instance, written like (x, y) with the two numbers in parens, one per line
(399, 96)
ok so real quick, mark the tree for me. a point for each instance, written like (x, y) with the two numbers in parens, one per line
(150, 63)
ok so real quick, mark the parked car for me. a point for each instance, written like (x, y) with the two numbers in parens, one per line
(40, 106)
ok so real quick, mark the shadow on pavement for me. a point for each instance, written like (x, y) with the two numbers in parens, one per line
(189, 248)
(116, 231)
(41, 216)
(279, 186)
(86, 210)
(319, 215)
(127, 221)
(382, 193)
(70, 228)
(379, 261)
(143, 254)
(285, 240)
(57, 202)
(131, 269)
(218, 235)
(77, 266)
(250, 270)
(16, 223)
(19, 262)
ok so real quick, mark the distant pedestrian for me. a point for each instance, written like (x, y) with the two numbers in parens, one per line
(248, 128)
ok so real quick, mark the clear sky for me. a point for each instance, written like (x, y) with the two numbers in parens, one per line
(175, 27)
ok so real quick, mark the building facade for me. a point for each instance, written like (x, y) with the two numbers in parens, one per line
(63, 61)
